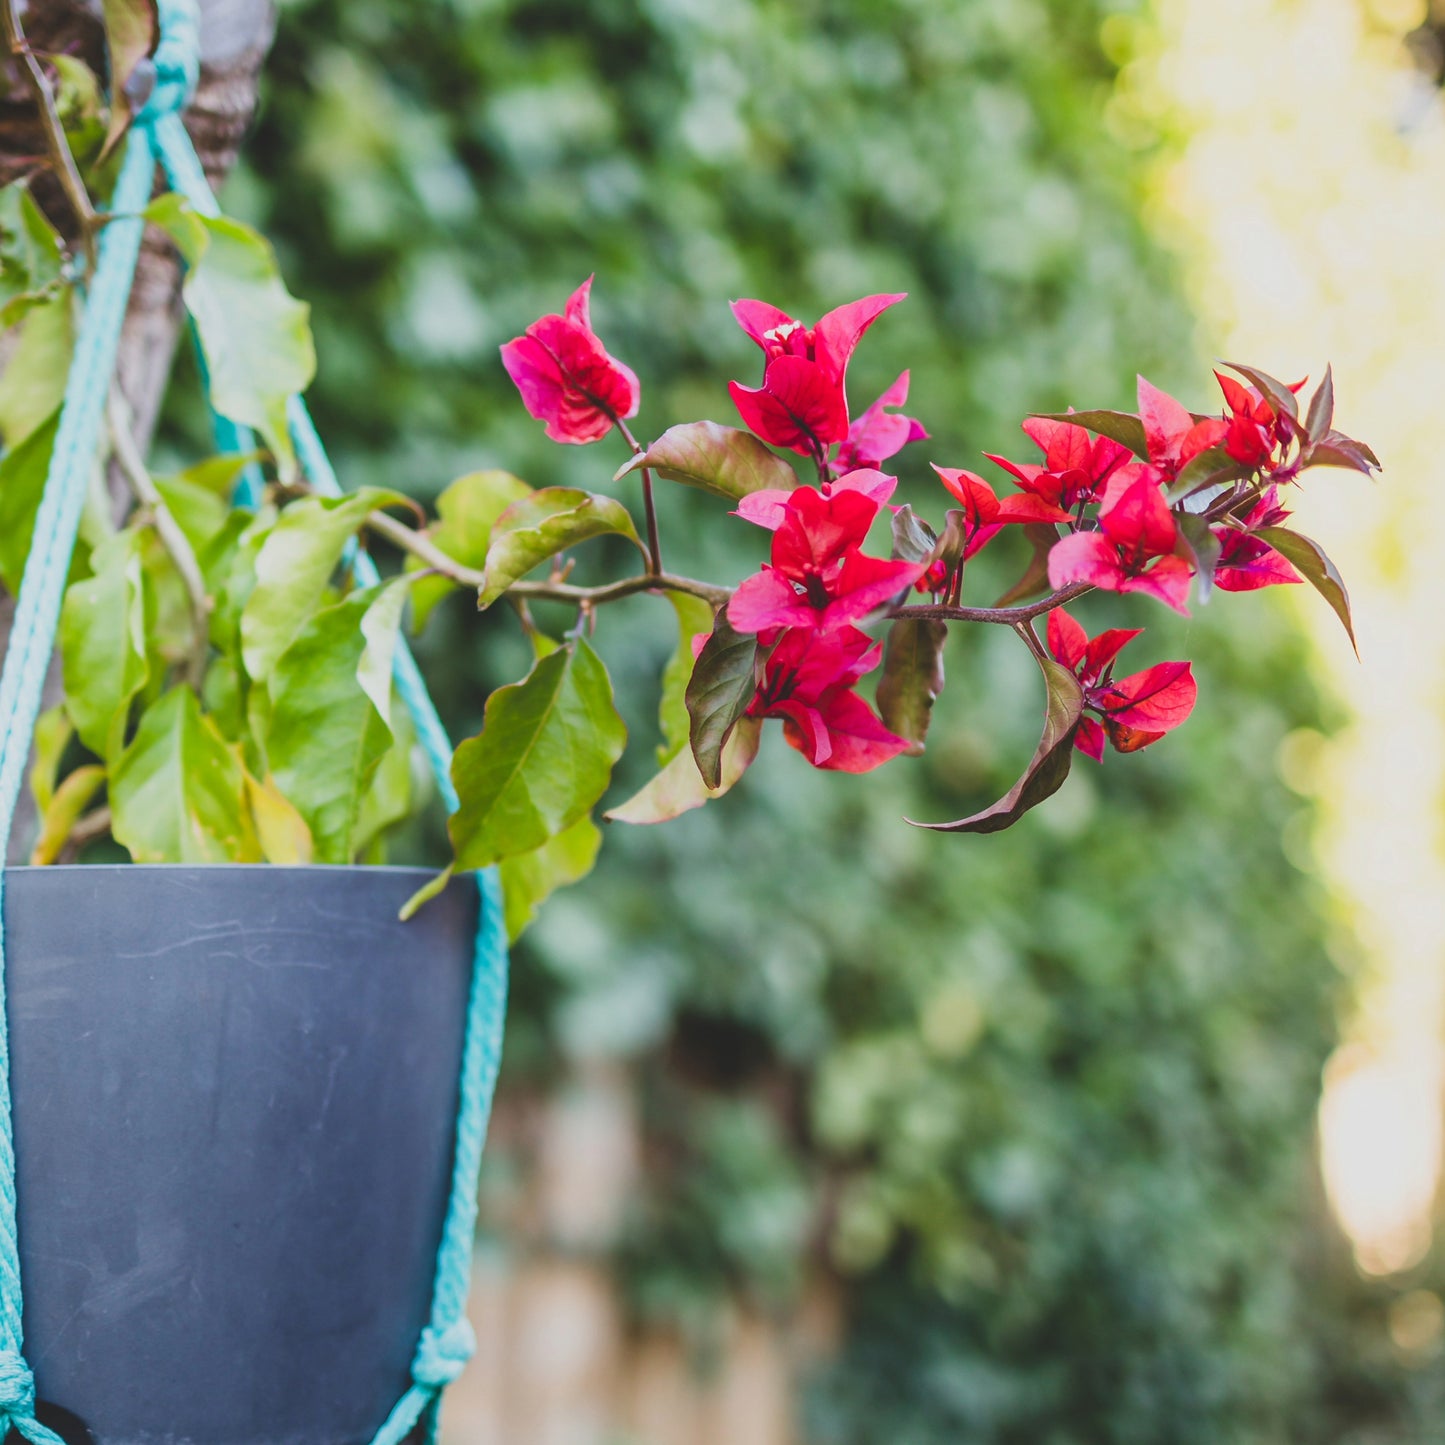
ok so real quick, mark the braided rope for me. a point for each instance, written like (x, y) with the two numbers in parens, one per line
(447, 1342)
(32, 639)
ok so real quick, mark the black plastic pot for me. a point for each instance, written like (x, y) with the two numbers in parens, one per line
(235, 1090)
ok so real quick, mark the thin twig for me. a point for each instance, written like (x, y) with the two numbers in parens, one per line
(1008, 616)
(649, 508)
(400, 535)
(56, 145)
(172, 538)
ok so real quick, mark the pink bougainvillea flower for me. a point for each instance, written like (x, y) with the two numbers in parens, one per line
(1075, 467)
(768, 507)
(818, 575)
(985, 515)
(1136, 710)
(1247, 562)
(1132, 551)
(566, 377)
(1171, 434)
(879, 433)
(802, 404)
(1250, 435)
(808, 681)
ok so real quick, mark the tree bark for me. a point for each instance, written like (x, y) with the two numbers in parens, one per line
(235, 38)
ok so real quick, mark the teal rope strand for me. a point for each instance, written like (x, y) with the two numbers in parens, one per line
(32, 639)
(447, 1342)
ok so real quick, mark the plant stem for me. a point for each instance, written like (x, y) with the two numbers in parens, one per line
(654, 550)
(402, 536)
(173, 539)
(92, 825)
(1008, 616)
(58, 148)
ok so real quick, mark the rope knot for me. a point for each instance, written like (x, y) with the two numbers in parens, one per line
(17, 1387)
(442, 1355)
(168, 80)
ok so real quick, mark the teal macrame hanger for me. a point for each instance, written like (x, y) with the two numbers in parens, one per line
(157, 135)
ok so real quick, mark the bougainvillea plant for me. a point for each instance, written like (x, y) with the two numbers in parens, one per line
(228, 691)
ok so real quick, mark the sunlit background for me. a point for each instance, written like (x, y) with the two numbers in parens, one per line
(1125, 1127)
(1308, 200)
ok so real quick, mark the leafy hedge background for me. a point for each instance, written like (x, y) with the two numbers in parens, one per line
(1044, 1102)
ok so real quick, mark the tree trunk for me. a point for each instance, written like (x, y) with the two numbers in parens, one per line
(235, 38)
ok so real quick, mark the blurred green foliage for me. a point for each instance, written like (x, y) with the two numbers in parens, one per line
(1044, 1099)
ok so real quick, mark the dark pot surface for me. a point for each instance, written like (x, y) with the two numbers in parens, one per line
(235, 1090)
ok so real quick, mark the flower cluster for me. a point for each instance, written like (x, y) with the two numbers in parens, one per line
(1161, 501)
(803, 605)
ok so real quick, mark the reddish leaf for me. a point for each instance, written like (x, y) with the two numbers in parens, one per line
(718, 459)
(723, 682)
(912, 679)
(1316, 568)
(1279, 396)
(1335, 449)
(1048, 767)
(1119, 426)
(1322, 408)
(913, 538)
(1212, 467)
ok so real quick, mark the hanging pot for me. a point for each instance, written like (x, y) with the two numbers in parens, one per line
(235, 1091)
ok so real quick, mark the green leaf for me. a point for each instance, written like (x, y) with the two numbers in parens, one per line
(694, 617)
(1309, 558)
(1213, 467)
(327, 730)
(178, 793)
(1048, 767)
(528, 879)
(722, 684)
(22, 481)
(228, 564)
(31, 257)
(543, 758)
(1202, 548)
(1279, 396)
(912, 678)
(293, 567)
(1119, 426)
(679, 787)
(64, 810)
(223, 697)
(389, 798)
(53, 732)
(1322, 407)
(103, 644)
(131, 27)
(719, 459)
(199, 498)
(466, 512)
(543, 524)
(255, 335)
(33, 381)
